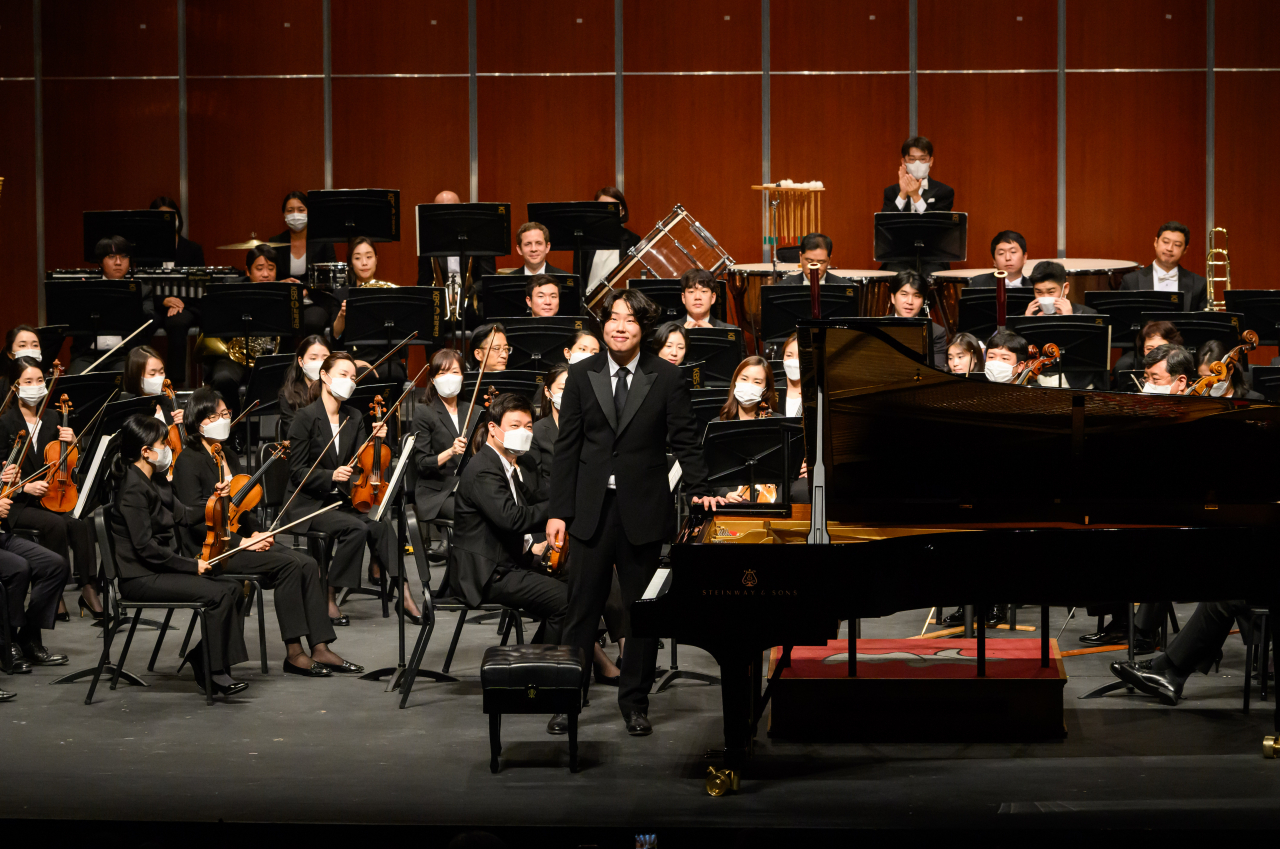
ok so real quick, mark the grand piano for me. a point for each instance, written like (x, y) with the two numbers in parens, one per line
(931, 486)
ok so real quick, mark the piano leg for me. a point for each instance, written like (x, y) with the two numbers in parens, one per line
(738, 687)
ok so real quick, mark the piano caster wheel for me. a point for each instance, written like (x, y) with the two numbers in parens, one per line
(721, 782)
(1269, 747)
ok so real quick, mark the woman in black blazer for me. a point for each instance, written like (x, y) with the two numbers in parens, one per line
(301, 255)
(301, 375)
(144, 375)
(143, 521)
(442, 440)
(300, 602)
(61, 533)
(329, 482)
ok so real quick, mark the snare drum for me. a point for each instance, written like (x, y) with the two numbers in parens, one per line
(326, 276)
(676, 245)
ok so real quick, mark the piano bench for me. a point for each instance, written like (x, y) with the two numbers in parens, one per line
(532, 679)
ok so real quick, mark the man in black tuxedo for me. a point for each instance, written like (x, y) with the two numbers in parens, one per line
(914, 191)
(620, 410)
(1008, 254)
(1051, 287)
(814, 247)
(1165, 274)
(533, 243)
(439, 270)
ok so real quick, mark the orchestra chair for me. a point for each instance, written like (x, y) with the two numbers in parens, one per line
(115, 605)
(541, 679)
(1257, 649)
(255, 589)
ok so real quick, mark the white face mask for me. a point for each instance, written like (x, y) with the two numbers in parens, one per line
(579, 356)
(342, 387)
(311, 368)
(33, 394)
(1150, 388)
(177, 226)
(29, 353)
(919, 170)
(998, 371)
(161, 463)
(747, 394)
(448, 385)
(792, 368)
(1218, 389)
(555, 399)
(517, 441)
(297, 221)
(217, 431)
(153, 385)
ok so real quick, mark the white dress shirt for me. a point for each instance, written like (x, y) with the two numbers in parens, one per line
(1018, 283)
(542, 269)
(297, 264)
(1164, 281)
(604, 262)
(511, 470)
(793, 406)
(916, 206)
(613, 385)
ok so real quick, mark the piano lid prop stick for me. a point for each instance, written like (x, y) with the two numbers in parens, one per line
(285, 509)
(1001, 312)
(387, 356)
(117, 347)
(927, 620)
(815, 299)
(227, 554)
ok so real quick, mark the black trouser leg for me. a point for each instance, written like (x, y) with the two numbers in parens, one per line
(541, 595)
(1151, 615)
(224, 620)
(1197, 644)
(44, 572)
(63, 534)
(282, 573)
(349, 531)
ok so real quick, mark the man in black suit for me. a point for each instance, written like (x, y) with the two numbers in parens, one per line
(814, 247)
(1008, 254)
(441, 270)
(698, 294)
(1051, 287)
(914, 191)
(542, 295)
(1165, 274)
(620, 410)
(533, 243)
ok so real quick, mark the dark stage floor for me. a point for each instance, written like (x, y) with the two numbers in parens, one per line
(339, 751)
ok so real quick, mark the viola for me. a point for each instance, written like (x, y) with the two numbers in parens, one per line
(174, 438)
(216, 510)
(368, 489)
(1027, 369)
(246, 490)
(62, 495)
(553, 557)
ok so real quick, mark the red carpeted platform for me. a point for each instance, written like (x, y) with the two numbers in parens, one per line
(920, 690)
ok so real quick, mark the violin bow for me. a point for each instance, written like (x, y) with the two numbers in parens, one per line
(44, 404)
(20, 484)
(387, 355)
(285, 509)
(413, 384)
(493, 334)
(247, 410)
(89, 427)
(118, 346)
(274, 530)
(8, 398)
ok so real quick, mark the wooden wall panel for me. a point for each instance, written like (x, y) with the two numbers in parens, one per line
(18, 201)
(1244, 33)
(878, 28)
(130, 157)
(545, 36)
(676, 35)
(1136, 34)
(16, 42)
(1240, 123)
(987, 35)
(250, 37)
(544, 139)
(695, 140)
(1119, 192)
(89, 38)
(395, 37)
(854, 166)
(414, 140)
(242, 162)
(995, 143)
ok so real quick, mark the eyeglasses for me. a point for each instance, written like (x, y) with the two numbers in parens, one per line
(503, 349)
(215, 416)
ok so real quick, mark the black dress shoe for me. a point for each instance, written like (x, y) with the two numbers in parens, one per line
(316, 670)
(4, 697)
(18, 665)
(559, 724)
(953, 620)
(63, 616)
(997, 614)
(1106, 637)
(1160, 684)
(608, 681)
(638, 724)
(38, 655)
(344, 619)
(346, 667)
(416, 620)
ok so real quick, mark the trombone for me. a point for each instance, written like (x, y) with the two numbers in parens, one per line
(1217, 267)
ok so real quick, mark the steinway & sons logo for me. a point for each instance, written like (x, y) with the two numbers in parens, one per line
(749, 578)
(750, 588)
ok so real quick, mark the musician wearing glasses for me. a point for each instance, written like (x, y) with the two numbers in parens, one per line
(490, 338)
(1165, 274)
(814, 248)
(1008, 254)
(1168, 370)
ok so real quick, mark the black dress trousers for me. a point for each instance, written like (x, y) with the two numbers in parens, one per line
(26, 566)
(351, 530)
(301, 602)
(63, 534)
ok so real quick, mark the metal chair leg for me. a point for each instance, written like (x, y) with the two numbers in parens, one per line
(453, 645)
(208, 662)
(155, 652)
(108, 633)
(186, 641)
(133, 626)
(262, 628)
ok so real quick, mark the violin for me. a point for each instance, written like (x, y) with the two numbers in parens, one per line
(1221, 372)
(13, 455)
(25, 439)
(553, 557)
(1024, 371)
(246, 490)
(62, 495)
(174, 438)
(216, 510)
(368, 489)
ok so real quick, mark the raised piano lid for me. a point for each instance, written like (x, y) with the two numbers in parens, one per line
(908, 443)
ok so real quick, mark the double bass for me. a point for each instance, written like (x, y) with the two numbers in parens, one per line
(1220, 373)
(1024, 371)
(63, 457)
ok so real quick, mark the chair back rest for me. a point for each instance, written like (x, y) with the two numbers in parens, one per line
(276, 479)
(107, 554)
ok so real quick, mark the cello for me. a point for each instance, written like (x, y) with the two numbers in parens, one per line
(62, 495)
(1024, 371)
(1220, 373)
(369, 488)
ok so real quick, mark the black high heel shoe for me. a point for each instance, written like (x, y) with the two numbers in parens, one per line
(416, 620)
(85, 608)
(63, 615)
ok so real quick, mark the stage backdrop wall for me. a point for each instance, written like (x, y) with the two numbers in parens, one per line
(1082, 123)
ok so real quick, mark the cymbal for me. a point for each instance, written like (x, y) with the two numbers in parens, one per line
(251, 244)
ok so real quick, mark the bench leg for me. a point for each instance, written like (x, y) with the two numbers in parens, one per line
(573, 742)
(495, 740)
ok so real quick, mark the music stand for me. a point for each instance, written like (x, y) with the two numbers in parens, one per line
(1084, 342)
(526, 383)
(386, 316)
(363, 396)
(666, 292)
(1197, 328)
(244, 310)
(466, 230)
(977, 311)
(1266, 382)
(265, 380)
(538, 342)
(115, 414)
(339, 215)
(1261, 310)
(717, 351)
(920, 237)
(587, 225)
(87, 393)
(782, 307)
(1125, 380)
(149, 231)
(755, 451)
(502, 296)
(95, 307)
(1126, 307)
(706, 404)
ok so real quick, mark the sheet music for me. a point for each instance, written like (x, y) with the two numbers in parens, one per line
(673, 476)
(91, 480)
(406, 457)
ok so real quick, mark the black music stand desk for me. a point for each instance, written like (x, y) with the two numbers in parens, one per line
(716, 351)
(586, 225)
(1266, 382)
(1197, 328)
(466, 230)
(264, 384)
(538, 342)
(95, 307)
(782, 307)
(666, 292)
(1126, 306)
(384, 317)
(339, 215)
(706, 404)
(87, 393)
(149, 231)
(502, 296)
(1261, 310)
(1084, 342)
(244, 310)
(526, 383)
(920, 237)
(977, 310)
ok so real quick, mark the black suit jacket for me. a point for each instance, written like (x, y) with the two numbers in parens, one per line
(10, 424)
(538, 460)
(595, 442)
(629, 241)
(195, 474)
(436, 432)
(1192, 286)
(489, 525)
(190, 254)
(938, 197)
(988, 281)
(549, 269)
(144, 524)
(316, 252)
(308, 435)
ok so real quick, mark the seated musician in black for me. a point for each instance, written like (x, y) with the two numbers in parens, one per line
(1214, 351)
(60, 532)
(698, 294)
(179, 317)
(301, 255)
(670, 342)
(1049, 283)
(965, 355)
(1005, 349)
(300, 602)
(113, 254)
(814, 248)
(791, 365)
(542, 295)
(144, 520)
(22, 340)
(27, 567)
(906, 299)
(144, 375)
(1168, 370)
(582, 346)
(490, 338)
(1008, 254)
(1152, 335)
(303, 372)
(754, 395)
(363, 263)
(442, 436)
